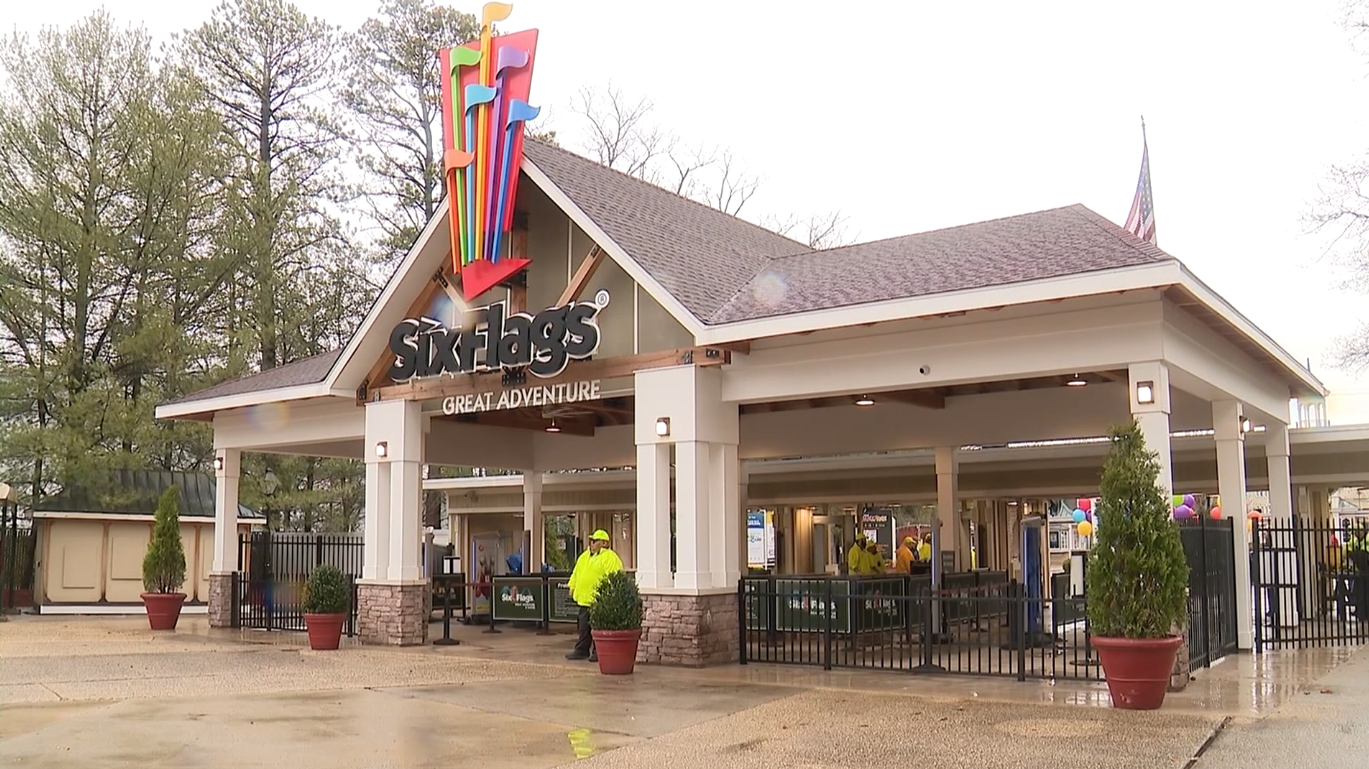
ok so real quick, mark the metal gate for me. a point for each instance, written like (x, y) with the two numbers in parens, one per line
(1311, 583)
(268, 588)
(1210, 551)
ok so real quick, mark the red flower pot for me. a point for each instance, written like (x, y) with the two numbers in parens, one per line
(325, 630)
(617, 650)
(163, 609)
(1137, 669)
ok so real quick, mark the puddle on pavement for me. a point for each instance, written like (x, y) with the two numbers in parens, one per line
(582, 742)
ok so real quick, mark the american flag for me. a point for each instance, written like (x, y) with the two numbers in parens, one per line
(1141, 220)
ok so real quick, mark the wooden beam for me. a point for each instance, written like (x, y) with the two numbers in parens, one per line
(606, 368)
(377, 375)
(582, 276)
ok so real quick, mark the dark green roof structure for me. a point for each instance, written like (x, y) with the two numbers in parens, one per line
(135, 492)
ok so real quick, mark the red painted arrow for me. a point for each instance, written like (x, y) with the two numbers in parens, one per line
(482, 275)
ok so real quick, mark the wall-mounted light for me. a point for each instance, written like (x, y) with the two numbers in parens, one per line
(1145, 392)
(1245, 425)
(218, 464)
(662, 426)
(382, 449)
(1077, 381)
(552, 428)
(865, 400)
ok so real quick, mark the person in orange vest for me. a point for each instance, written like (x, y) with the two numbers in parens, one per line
(904, 557)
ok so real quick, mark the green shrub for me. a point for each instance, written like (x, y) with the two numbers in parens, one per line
(1137, 572)
(617, 605)
(164, 563)
(327, 591)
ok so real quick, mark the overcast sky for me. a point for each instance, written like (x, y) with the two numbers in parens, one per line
(914, 115)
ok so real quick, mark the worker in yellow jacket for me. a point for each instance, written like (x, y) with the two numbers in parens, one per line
(591, 567)
(855, 557)
(924, 550)
(904, 556)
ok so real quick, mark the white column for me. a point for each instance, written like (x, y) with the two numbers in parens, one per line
(394, 492)
(653, 516)
(227, 472)
(692, 497)
(533, 521)
(1280, 476)
(1150, 381)
(947, 508)
(1226, 424)
(739, 529)
(725, 511)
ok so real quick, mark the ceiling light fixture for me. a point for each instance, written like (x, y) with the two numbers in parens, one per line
(865, 400)
(552, 428)
(1077, 381)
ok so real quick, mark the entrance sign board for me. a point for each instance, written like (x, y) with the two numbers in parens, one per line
(533, 395)
(518, 598)
(543, 343)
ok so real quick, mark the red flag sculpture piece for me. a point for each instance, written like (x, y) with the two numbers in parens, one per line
(484, 106)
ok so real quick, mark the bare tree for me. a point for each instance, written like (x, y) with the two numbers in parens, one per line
(622, 135)
(1341, 211)
(820, 231)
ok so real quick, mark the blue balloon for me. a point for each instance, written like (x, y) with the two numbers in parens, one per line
(1079, 516)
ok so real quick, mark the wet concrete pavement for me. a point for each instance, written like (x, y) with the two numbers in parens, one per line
(108, 693)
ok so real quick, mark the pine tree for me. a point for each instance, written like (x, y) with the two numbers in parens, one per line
(1137, 572)
(164, 563)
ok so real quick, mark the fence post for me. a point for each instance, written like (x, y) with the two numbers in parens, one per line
(446, 639)
(235, 605)
(546, 606)
(827, 627)
(742, 606)
(318, 550)
(1019, 599)
(1256, 581)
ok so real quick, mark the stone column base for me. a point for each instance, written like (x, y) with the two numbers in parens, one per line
(221, 600)
(1178, 677)
(689, 630)
(392, 615)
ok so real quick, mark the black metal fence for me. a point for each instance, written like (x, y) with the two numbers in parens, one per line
(1210, 551)
(268, 588)
(978, 623)
(1311, 584)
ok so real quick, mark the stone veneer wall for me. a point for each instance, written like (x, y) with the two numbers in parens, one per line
(1178, 677)
(689, 630)
(392, 615)
(221, 600)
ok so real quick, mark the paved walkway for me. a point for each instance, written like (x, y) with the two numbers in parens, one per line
(1326, 725)
(106, 692)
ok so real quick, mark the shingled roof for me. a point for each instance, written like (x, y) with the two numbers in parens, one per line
(1046, 244)
(724, 269)
(136, 492)
(311, 370)
(697, 253)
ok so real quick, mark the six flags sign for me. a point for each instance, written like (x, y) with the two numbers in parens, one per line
(485, 87)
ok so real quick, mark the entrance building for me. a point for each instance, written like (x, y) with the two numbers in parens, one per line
(706, 366)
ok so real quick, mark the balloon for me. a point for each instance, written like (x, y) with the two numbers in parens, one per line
(1216, 513)
(1183, 513)
(1254, 515)
(1079, 516)
(1177, 500)
(1085, 504)
(1085, 529)
(1190, 501)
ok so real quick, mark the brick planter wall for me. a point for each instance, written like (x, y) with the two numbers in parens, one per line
(221, 600)
(690, 631)
(392, 615)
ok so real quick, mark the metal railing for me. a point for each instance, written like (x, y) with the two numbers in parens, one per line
(979, 623)
(276, 604)
(1311, 584)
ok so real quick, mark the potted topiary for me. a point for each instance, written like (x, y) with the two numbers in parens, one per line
(615, 621)
(327, 596)
(1136, 576)
(164, 565)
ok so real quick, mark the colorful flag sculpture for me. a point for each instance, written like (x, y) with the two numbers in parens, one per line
(484, 106)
